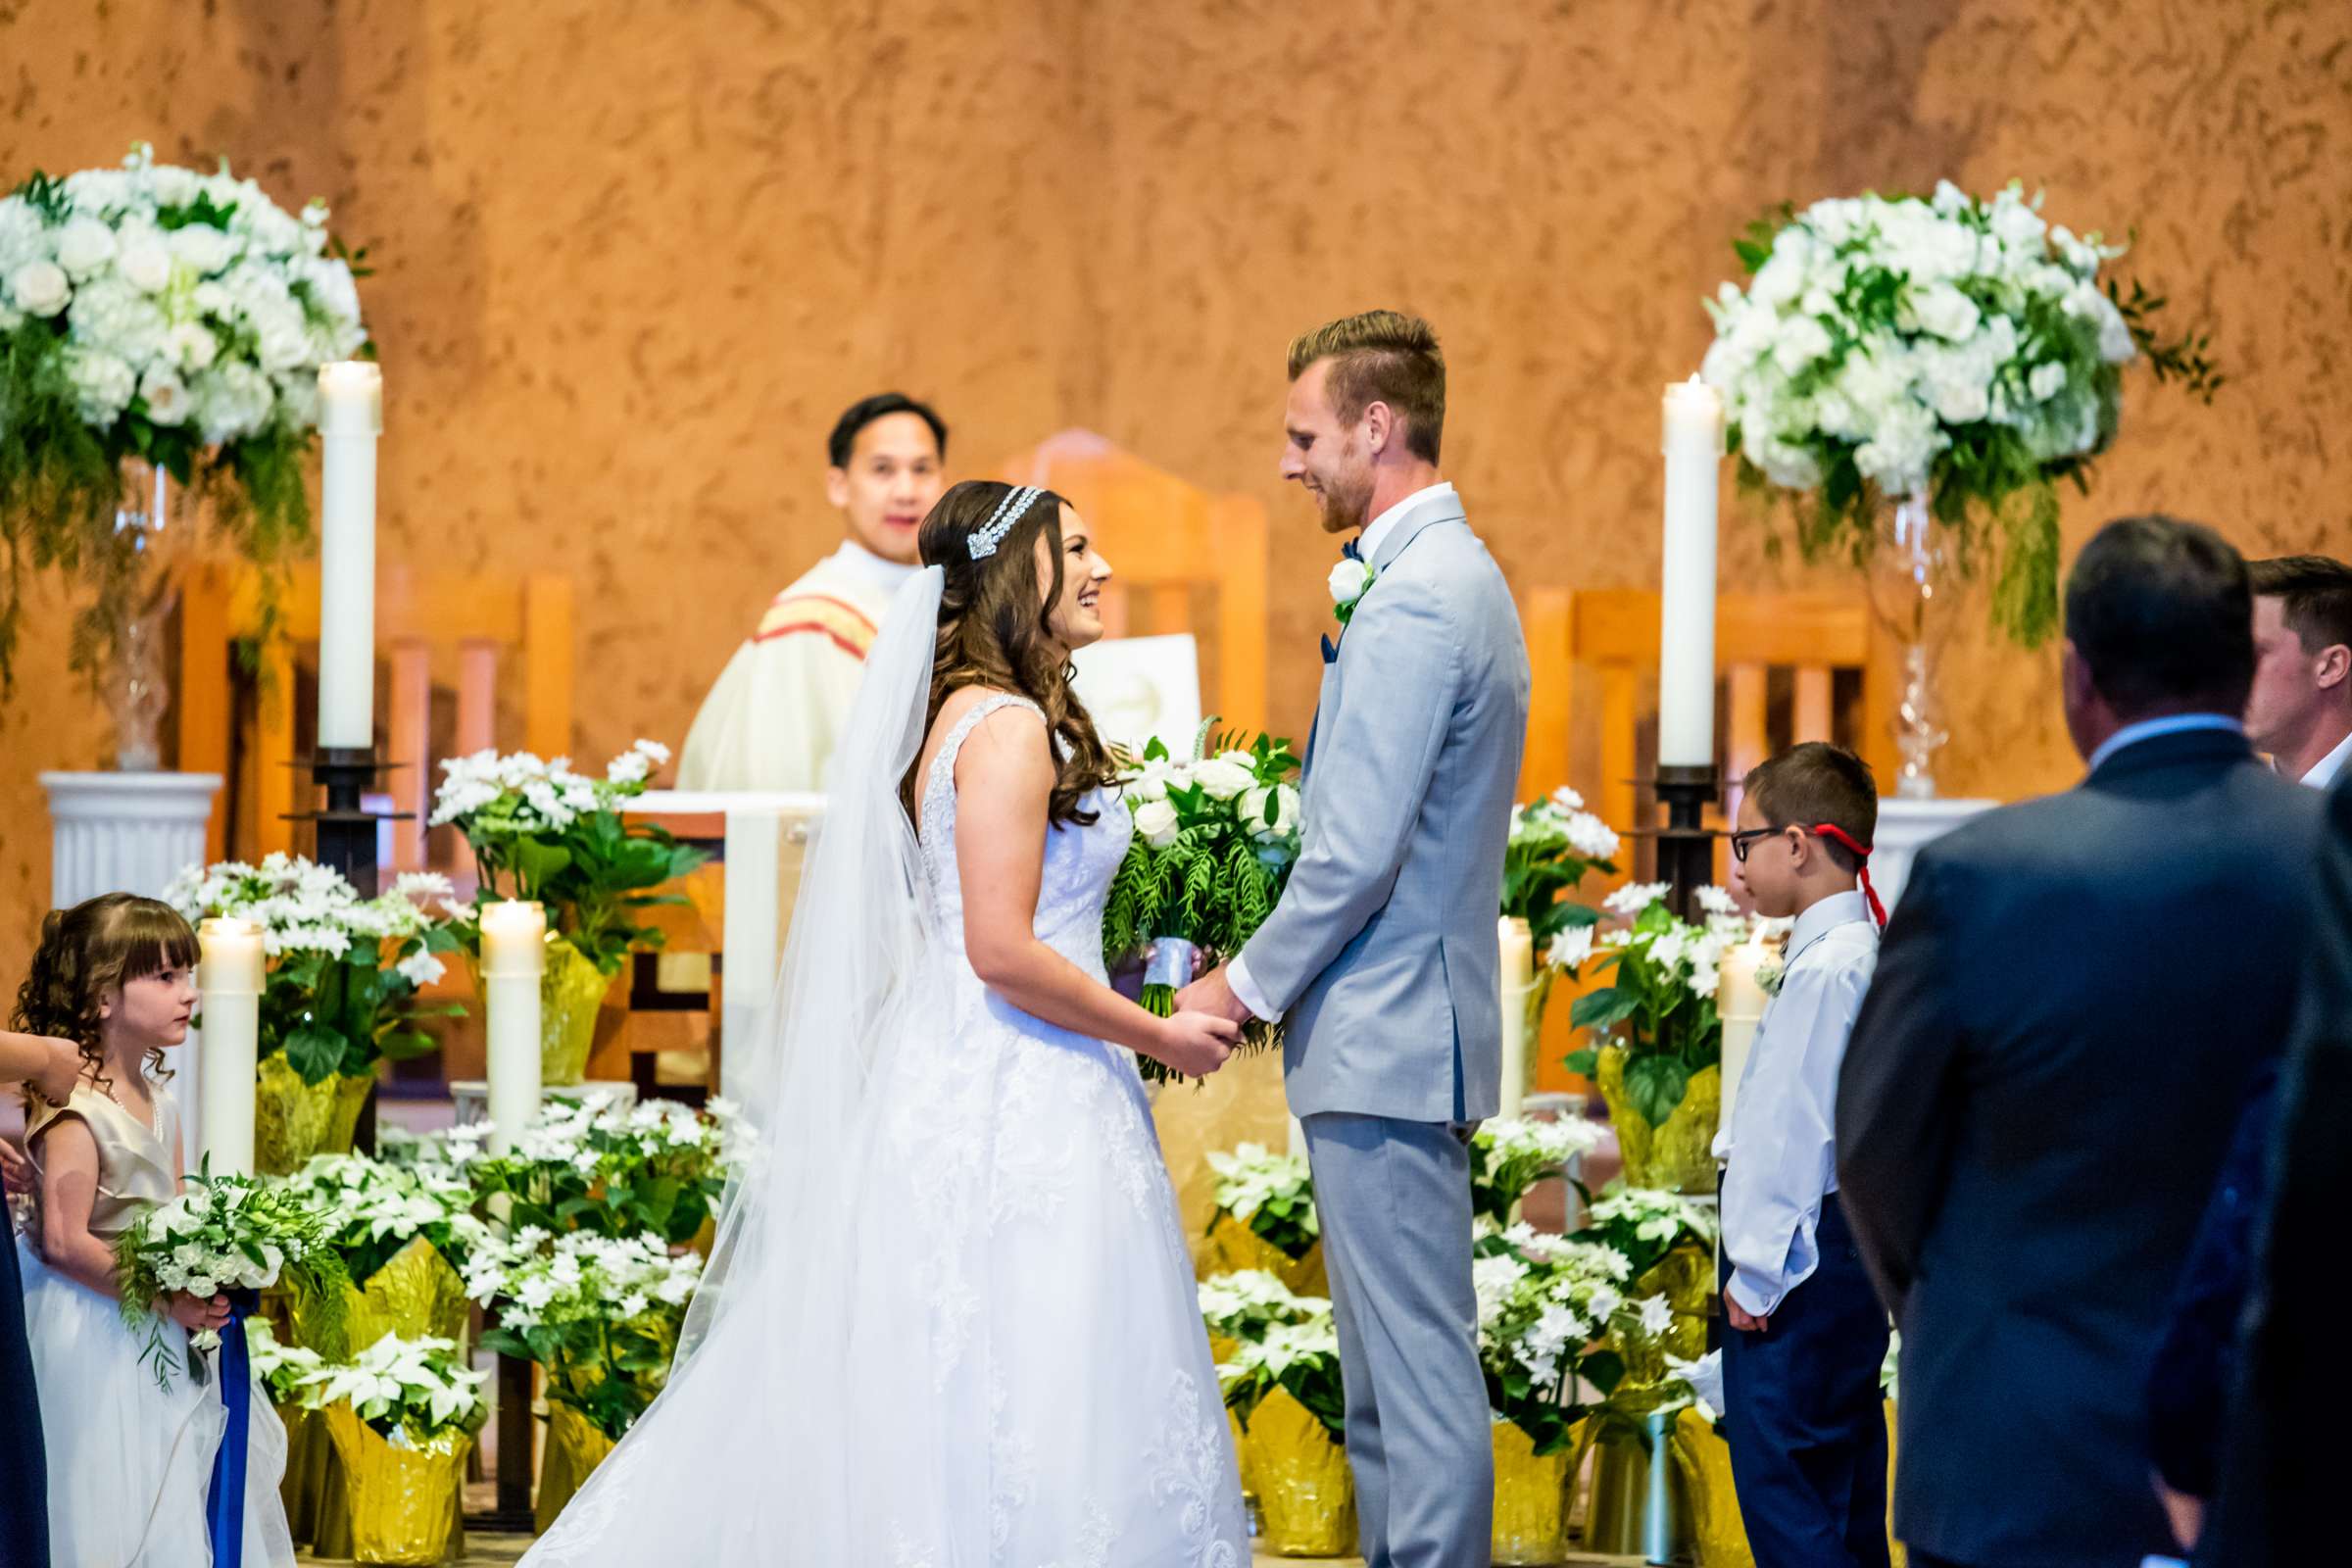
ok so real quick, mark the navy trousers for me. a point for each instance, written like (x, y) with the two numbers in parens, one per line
(1805, 1420)
(24, 1477)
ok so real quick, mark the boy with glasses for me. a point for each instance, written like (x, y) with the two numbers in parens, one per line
(1805, 1331)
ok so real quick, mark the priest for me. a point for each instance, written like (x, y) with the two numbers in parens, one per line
(770, 721)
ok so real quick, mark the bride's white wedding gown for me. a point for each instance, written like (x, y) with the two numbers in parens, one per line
(1027, 1379)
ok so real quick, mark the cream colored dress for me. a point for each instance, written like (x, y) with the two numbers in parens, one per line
(129, 1461)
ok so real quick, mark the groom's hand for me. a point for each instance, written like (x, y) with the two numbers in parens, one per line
(1213, 992)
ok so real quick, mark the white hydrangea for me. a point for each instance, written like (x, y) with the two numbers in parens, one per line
(1632, 898)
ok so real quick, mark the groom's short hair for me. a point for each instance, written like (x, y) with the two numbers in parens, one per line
(1382, 357)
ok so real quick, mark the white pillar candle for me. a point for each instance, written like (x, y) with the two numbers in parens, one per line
(1740, 1004)
(1694, 447)
(755, 846)
(351, 416)
(228, 984)
(1518, 980)
(514, 957)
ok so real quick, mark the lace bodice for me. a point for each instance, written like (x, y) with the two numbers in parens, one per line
(1080, 857)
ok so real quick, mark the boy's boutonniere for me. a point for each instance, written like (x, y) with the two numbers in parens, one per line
(1350, 577)
(1769, 976)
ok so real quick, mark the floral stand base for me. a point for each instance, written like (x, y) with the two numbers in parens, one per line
(1305, 1490)
(1531, 1498)
(1679, 1156)
(574, 1448)
(293, 1120)
(569, 994)
(1617, 1515)
(403, 1500)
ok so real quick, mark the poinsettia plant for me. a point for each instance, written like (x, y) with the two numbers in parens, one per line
(1661, 1007)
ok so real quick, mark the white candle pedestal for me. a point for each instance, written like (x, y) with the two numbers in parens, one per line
(1518, 946)
(123, 832)
(514, 958)
(1905, 825)
(1692, 446)
(351, 416)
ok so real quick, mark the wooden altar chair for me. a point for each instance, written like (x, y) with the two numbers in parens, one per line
(1182, 561)
(437, 630)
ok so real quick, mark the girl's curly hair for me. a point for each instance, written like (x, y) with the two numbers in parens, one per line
(98, 946)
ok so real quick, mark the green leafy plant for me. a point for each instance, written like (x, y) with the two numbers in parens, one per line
(600, 1315)
(1273, 1194)
(1661, 1007)
(1301, 1358)
(656, 1168)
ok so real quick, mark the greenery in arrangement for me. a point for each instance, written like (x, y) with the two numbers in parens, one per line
(1271, 1194)
(157, 314)
(1509, 1155)
(1544, 1302)
(658, 1167)
(411, 1393)
(226, 1233)
(344, 971)
(600, 1315)
(1554, 843)
(372, 1211)
(1301, 1358)
(541, 832)
(1247, 1302)
(1960, 350)
(1644, 1224)
(1214, 840)
(1661, 1007)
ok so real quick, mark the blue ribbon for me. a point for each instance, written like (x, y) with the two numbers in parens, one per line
(225, 1504)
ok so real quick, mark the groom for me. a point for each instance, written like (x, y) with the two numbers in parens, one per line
(1382, 953)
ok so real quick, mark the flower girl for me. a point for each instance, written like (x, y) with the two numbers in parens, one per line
(130, 1446)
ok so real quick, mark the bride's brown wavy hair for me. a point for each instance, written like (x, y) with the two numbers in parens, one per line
(995, 631)
(87, 951)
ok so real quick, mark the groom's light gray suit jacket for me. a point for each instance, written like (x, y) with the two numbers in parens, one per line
(1382, 954)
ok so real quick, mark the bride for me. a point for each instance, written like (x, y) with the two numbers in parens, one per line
(949, 1321)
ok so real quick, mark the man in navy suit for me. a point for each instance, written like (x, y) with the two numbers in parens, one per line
(2025, 1128)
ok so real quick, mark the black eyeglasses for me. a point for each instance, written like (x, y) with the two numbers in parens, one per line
(1746, 836)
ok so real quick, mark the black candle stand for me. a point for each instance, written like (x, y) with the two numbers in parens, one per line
(347, 829)
(1686, 856)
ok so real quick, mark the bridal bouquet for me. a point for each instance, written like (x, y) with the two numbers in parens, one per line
(540, 831)
(227, 1233)
(155, 313)
(1214, 841)
(1960, 350)
(344, 971)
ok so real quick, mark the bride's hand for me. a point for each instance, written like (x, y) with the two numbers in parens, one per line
(1196, 1044)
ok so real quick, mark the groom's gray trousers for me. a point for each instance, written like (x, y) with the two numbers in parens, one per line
(1382, 958)
(1394, 1202)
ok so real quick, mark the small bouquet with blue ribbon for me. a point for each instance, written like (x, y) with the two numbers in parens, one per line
(1215, 837)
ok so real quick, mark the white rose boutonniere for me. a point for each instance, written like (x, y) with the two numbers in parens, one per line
(1350, 577)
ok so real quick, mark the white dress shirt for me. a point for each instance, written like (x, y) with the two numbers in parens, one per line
(2324, 771)
(2147, 729)
(1781, 1153)
(1376, 533)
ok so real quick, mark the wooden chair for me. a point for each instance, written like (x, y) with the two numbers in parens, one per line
(448, 630)
(1595, 659)
(1170, 545)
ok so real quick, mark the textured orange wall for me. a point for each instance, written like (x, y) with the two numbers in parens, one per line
(633, 256)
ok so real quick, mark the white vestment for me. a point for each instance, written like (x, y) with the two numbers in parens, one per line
(775, 712)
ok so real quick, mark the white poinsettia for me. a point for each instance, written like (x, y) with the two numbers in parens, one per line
(412, 1392)
(1247, 1302)
(278, 1369)
(1635, 897)
(1272, 1195)
(581, 1276)
(1654, 1216)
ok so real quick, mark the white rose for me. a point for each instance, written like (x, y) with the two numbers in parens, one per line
(84, 246)
(1155, 820)
(202, 247)
(1944, 310)
(193, 345)
(144, 262)
(40, 288)
(1223, 779)
(1350, 577)
(1283, 816)
(166, 396)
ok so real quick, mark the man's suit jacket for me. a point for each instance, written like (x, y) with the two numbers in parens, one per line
(2069, 1005)
(2282, 1491)
(1382, 954)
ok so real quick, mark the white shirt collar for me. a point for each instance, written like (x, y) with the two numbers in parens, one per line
(886, 577)
(1376, 532)
(2324, 771)
(2147, 729)
(1835, 910)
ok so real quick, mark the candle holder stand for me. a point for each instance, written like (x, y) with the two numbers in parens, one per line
(346, 829)
(1686, 858)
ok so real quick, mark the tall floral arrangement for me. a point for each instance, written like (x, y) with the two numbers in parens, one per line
(542, 832)
(155, 313)
(1963, 350)
(345, 972)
